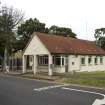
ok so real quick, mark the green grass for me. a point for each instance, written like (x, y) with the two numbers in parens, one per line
(87, 78)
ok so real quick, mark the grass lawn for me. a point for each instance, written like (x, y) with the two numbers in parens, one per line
(87, 78)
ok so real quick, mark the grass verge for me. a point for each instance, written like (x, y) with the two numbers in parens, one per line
(96, 79)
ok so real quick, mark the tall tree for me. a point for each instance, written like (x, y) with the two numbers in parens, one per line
(100, 37)
(27, 28)
(9, 19)
(62, 31)
(34, 25)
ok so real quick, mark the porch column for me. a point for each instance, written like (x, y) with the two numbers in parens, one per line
(50, 72)
(98, 60)
(24, 64)
(34, 64)
(86, 62)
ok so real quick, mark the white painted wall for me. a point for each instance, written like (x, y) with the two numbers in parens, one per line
(42, 68)
(77, 65)
(59, 69)
(73, 59)
(87, 67)
(94, 67)
(55, 69)
(36, 47)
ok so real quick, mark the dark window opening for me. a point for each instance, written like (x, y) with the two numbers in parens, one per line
(89, 60)
(95, 60)
(101, 60)
(82, 61)
(43, 60)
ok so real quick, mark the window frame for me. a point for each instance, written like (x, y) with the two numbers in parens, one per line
(96, 60)
(90, 60)
(101, 59)
(61, 60)
(42, 60)
(83, 60)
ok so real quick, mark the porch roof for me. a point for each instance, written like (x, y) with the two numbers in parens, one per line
(67, 45)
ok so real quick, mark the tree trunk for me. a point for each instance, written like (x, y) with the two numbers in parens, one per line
(5, 60)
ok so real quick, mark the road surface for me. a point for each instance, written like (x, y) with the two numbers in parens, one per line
(18, 91)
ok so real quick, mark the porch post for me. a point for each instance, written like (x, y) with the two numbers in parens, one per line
(92, 60)
(34, 64)
(86, 60)
(50, 72)
(98, 60)
(24, 64)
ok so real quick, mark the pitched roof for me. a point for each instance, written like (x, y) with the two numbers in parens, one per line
(67, 45)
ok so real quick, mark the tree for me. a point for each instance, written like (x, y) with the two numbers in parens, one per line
(9, 19)
(100, 37)
(26, 29)
(62, 31)
(34, 25)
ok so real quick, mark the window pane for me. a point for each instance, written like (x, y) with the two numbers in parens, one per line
(82, 60)
(89, 60)
(95, 60)
(43, 60)
(57, 61)
(46, 60)
(62, 61)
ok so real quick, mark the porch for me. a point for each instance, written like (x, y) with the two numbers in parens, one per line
(44, 63)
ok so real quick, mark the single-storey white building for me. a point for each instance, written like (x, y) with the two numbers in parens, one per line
(51, 53)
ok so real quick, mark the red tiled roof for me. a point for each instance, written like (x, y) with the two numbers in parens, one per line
(67, 45)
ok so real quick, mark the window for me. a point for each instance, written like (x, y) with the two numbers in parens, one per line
(57, 60)
(42, 60)
(89, 60)
(73, 63)
(62, 61)
(101, 60)
(96, 60)
(83, 61)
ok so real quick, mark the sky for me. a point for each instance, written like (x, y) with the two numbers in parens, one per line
(82, 16)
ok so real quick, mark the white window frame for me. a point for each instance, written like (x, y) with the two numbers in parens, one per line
(90, 60)
(101, 59)
(61, 58)
(43, 60)
(83, 58)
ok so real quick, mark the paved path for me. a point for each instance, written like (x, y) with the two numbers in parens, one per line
(18, 91)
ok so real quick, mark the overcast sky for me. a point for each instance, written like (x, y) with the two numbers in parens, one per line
(82, 16)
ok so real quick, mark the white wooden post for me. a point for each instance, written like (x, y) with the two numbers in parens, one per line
(103, 60)
(98, 60)
(64, 60)
(93, 57)
(24, 63)
(35, 64)
(50, 72)
(86, 62)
